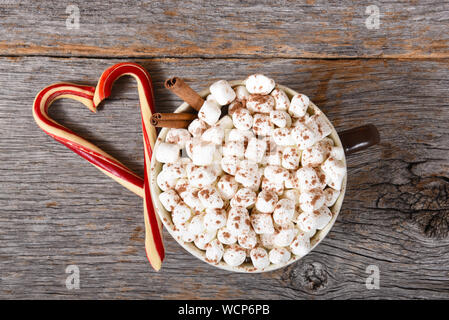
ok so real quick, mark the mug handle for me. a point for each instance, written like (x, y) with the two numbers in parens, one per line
(359, 138)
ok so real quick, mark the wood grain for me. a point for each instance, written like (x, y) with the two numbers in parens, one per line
(195, 28)
(58, 210)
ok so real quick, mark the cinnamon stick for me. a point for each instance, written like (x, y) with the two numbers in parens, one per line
(174, 116)
(170, 123)
(182, 90)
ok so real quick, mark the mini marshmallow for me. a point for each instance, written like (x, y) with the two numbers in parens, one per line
(311, 200)
(214, 135)
(204, 238)
(306, 222)
(240, 135)
(276, 174)
(331, 196)
(188, 237)
(178, 231)
(241, 93)
(247, 240)
(234, 149)
(300, 245)
(238, 221)
(242, 119)
(192, 199)
(327, 141)
(335, 172)
(266, 201)
(182, 233)
(210, 198)
(276, 187)
(320, 124)
(300, 121)
(291, 157)
(280, 118)
(309, 233)
(292, 194)
(304, 136)
(298, 105)
(227, 186)
(322, 217)
(234, 107)
(316, 154)
(308, 178)
(181, 187)
(259, 84)
(262, 125)
(282, 102)
(200, 176)
(211, 98)
(169, 199)
(185, 161)
(181, 213)
(274, 158)
(222, 92)
(271, 144)
(248, 174)
(234, 255)
(197, 127)
(214, 251)
(292, 181)
(284, 212)
(244, 197)
(258, 179)
(230, 164)
(322, 177)
(210, 112)
(226, 237)
(255, 150)
(282, 137)
(262, 223)
(178, 136)
(174, 170)
(279, 255)
(285, 235)
(225, 123)
(267, 240)
(165, 181)
(167, 152)
(260, 103)
(189, 146)
(196, 225)
(214, 219)
(337, 153)
(259, 257)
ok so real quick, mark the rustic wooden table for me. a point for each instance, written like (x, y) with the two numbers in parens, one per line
(57, 210)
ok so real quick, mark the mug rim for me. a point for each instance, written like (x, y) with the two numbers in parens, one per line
(165, 216)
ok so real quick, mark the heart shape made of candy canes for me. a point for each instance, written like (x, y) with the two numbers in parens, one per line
(91, 97)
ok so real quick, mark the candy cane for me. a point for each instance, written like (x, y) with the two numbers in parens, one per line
(91, 97)
(103, 161)
(153, 226)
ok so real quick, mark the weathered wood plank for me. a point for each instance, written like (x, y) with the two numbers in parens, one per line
(57, 210)
(194, 28)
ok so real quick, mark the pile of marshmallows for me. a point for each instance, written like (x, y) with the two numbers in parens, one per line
(257, 182)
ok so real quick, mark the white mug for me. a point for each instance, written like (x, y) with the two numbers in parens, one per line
(354, 140)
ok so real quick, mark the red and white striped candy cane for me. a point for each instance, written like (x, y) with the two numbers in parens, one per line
(91, 97)
(153, 226)
(103, 161)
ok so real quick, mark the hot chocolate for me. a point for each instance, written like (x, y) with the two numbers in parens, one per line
(256, 183)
